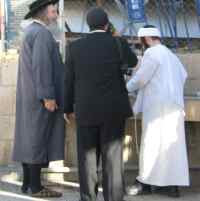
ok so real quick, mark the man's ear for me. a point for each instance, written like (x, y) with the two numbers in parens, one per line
(106, 27)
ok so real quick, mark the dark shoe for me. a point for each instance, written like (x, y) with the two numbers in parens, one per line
(160, 189)
(24, 189)
(173, 192)
(139, 189)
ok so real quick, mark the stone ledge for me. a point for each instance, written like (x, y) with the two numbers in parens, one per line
(9, 73)
(6, 147)
(7, 124)
(12, 54)
(7, 100)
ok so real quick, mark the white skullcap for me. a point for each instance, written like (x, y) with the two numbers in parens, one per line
(149, 32)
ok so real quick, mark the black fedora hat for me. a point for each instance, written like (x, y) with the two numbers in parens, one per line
(37, 5)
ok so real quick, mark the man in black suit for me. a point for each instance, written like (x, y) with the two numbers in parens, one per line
(95, 90)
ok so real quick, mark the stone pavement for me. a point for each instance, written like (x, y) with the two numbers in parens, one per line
(10, 191)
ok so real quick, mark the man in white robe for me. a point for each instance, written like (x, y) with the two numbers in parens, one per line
(160, 83)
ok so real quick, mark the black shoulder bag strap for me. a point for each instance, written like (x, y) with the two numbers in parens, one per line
(119, 46)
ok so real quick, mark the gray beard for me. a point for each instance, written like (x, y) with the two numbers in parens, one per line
(55, 30)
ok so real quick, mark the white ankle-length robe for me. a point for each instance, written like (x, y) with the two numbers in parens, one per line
(160, 81)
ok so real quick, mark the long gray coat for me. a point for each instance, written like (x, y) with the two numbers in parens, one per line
(39, 134)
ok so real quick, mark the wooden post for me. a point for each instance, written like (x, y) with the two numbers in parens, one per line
(2, 24)
(99, 2)
(62, 28)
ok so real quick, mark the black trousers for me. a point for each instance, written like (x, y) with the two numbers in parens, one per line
(32, 177)
(105, 141)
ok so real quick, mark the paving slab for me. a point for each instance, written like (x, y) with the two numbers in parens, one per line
(10, 191)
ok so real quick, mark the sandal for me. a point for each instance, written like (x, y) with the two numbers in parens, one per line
(46, 193)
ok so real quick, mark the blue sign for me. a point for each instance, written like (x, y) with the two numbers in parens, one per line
(122, 2)
(136, 11)
(198, 7)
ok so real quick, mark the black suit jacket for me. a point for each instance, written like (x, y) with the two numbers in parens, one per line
(94, 84)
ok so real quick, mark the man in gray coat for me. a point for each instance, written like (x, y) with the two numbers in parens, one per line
(39, 131)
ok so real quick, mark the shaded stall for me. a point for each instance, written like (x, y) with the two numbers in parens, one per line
(181, 33)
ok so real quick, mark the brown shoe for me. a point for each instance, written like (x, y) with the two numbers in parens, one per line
(46, 193)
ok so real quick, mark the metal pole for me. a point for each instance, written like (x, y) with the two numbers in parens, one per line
(158, 7)
(164, 8)
(198, 12)
(62, 28)
(122, 9)
(2, 45)
(186, 27)
(99, 3)
(172, 5)
(198, 19)
(84, 15)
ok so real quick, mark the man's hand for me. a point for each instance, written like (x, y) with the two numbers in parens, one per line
(69, 117)
(50, 105)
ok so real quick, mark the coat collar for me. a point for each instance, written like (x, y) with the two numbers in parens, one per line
(97, 31)
(40, 22)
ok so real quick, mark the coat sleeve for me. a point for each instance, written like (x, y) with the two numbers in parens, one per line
(69, 78)
(43, 66)
(144, 74)
(129, 57)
